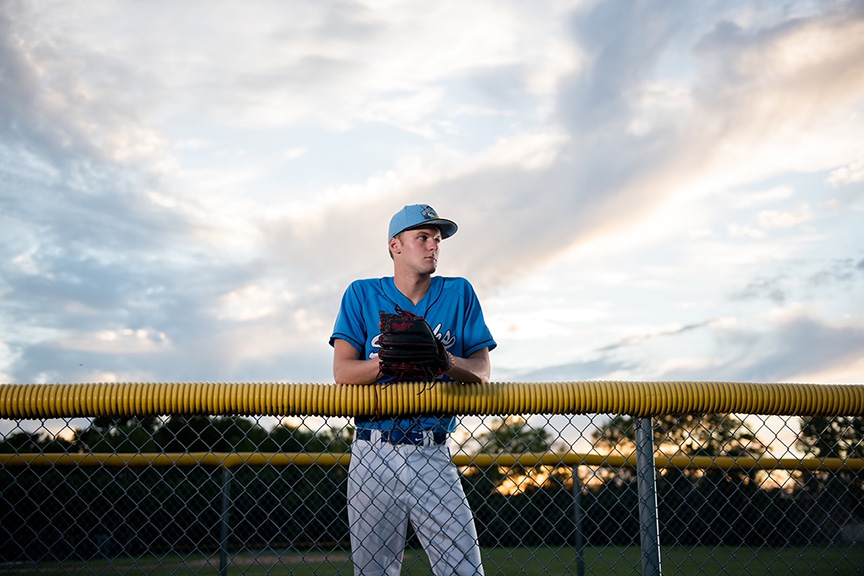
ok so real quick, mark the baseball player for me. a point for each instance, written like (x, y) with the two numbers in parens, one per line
(401, 470)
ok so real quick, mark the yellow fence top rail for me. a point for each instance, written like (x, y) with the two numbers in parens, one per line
(19, 401)
(233, 460)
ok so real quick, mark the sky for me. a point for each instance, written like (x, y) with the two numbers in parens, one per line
(645, 190)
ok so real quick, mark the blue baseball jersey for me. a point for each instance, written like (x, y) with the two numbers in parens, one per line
(451, 308)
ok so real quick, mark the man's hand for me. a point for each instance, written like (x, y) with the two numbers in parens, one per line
(409, 349)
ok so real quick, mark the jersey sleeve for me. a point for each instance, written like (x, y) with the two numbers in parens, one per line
(350, 325)
(477, 334)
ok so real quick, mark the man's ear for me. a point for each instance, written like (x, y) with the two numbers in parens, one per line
(395, 245)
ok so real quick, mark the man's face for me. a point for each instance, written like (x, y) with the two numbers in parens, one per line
(418, 249)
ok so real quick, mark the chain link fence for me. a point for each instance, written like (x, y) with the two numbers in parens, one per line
(551, 494)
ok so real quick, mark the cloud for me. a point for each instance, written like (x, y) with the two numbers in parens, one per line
(601, 96)
(607, 177)
(294, 153)
(785, 349)
(636, 340)
(187, 198)
(596, 369)
(841, 271)
(784, 219)
(762, 288)
(63, 101)
(761, 85)
(788, 349)
(847, 175)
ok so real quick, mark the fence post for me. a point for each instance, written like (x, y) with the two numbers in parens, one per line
(649, 525)
(226, 508)
(579, 539)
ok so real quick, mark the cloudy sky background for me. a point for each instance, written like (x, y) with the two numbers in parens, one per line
(645, 190)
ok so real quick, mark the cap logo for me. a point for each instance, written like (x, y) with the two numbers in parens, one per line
(429, 213)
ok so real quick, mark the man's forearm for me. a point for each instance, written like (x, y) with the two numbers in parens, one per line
(357, 372)
(474, 369)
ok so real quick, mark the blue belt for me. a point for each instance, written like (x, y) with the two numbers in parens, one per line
(402, 437)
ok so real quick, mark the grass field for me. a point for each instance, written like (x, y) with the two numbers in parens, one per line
(608, 561)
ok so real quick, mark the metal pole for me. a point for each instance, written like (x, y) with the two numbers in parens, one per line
(649, 525)
(579, 540)
(226, 507)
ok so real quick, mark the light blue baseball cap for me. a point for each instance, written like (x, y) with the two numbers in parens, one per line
(417, 215)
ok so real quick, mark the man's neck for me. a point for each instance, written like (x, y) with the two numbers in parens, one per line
(413, 286)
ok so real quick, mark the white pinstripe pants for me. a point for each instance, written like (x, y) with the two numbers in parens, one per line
(392, 484)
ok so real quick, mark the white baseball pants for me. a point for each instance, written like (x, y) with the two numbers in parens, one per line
(392, 484)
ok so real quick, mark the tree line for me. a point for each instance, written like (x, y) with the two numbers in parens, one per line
(85, 512)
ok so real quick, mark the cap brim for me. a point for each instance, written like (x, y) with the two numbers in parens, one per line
(448, 227)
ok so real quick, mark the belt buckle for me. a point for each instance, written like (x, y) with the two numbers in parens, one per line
(402, 437)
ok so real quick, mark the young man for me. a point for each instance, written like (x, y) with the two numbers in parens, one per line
(400, 468)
